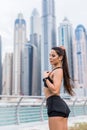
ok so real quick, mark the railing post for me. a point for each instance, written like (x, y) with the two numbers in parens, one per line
(84, 107)
(74, 106)
(41, 110)
(17, 110)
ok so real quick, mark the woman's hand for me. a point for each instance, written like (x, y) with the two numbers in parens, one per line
(46, 74)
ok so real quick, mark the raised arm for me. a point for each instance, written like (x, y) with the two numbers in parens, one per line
(57, 80)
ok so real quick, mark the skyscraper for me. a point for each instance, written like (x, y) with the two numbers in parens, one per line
(35, 23)
(35, 40)
(80, 59)
(31, 73)
(65, 38)
(28, 63)
(0, 67)
(48, 31)
(7, 74)
(18, 57)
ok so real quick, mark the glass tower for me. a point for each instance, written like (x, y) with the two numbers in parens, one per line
(35, 39)
(0, 67)
(48, 31)
(80, 55)
(65, 38)
(18, 56)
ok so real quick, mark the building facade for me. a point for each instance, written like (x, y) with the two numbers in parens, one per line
(28, 63)
(48, 31)
(65, 36)
(80, 60)
(0, 66)
(7, 74)
(18, 57)
(35, 39)
(31, 73)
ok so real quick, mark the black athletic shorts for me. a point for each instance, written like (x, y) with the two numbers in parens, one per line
(56, 106)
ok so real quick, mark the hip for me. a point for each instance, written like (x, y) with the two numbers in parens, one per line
(56, 104)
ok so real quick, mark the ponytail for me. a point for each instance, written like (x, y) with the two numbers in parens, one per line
(67, 86)
(67, 80)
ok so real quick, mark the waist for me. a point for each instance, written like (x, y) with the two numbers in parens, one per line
(53, 96)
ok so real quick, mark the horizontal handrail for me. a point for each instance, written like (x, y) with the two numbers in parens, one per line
(18, 109)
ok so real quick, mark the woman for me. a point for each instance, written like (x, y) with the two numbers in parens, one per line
(58, 111)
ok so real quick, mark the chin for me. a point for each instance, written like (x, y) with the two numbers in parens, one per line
(51, 64)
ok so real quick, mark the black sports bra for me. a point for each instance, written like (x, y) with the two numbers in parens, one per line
(44, 79)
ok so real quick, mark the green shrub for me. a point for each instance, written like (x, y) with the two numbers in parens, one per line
(79, 126)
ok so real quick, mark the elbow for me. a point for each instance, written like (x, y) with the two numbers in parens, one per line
(54, 89)
(55, 92)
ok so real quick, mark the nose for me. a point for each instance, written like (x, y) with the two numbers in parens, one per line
(50, 58)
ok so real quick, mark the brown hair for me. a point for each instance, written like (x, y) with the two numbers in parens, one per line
(67, 85)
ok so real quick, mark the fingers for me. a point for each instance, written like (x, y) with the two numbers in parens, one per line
(46, 73)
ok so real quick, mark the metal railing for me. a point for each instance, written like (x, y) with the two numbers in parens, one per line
(27, 109)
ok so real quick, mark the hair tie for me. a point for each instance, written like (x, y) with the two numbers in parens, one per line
(63, 48)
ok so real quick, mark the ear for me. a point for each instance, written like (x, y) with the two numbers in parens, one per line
(60, 58)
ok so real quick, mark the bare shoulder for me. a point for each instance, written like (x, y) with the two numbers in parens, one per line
(58, 73)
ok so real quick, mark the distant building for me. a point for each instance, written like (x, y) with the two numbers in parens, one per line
(65, 38)
(7, 74)
(18, 57)
(48, 37)
(32, 59)
(48, 31)
(28, 59)
(35, 23)
(31, 73)
(80, 60)
(0, 66)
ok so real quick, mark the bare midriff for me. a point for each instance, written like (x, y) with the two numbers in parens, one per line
(48, 93)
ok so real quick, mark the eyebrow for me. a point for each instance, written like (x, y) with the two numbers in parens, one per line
(52, 54)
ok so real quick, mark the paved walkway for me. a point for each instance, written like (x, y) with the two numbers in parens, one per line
(28, 126)
(42, 125)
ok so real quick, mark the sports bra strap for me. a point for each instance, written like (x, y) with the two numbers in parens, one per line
(56, 68)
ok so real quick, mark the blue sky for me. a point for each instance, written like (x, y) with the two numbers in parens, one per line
(74, 10)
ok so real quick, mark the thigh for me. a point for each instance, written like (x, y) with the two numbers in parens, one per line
(56, 123)
(65, 123)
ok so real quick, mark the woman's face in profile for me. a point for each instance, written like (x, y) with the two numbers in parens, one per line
(53, 57)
